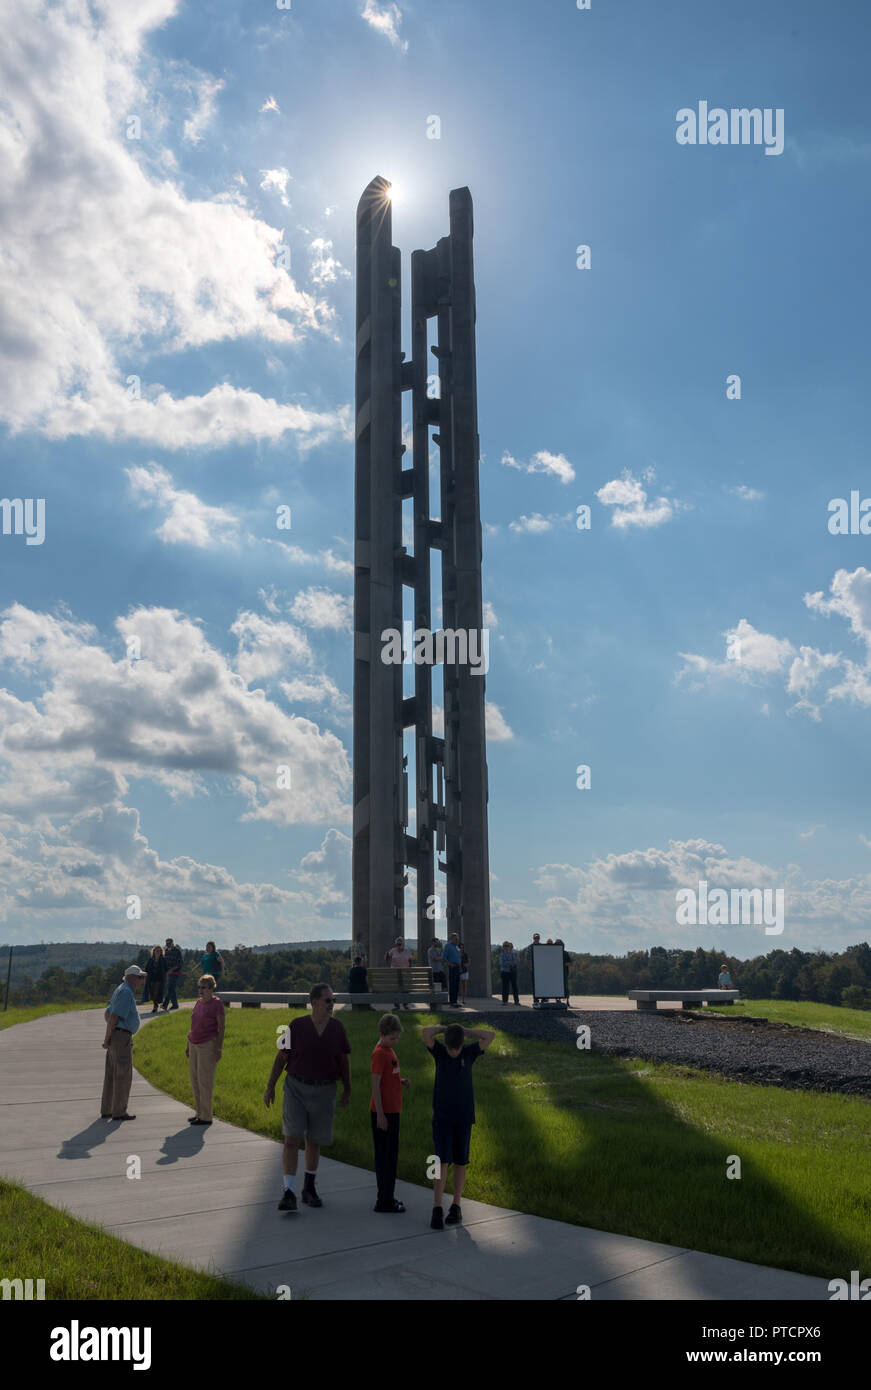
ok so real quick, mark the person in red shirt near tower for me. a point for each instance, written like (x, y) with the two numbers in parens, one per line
(385, 1108)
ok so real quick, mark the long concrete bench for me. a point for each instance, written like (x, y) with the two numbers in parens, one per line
(413, 985)
(646, 999)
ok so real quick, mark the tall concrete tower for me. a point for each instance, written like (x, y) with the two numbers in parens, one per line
(450, 769)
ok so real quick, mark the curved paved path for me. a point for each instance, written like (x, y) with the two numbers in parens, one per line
(208, 1197)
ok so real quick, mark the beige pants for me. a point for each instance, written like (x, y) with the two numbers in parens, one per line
(118, 1075)
(203, 1062)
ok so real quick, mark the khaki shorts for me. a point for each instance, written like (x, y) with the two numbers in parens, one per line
(307, 1111)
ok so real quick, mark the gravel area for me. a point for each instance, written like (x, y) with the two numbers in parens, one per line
(774, 1054)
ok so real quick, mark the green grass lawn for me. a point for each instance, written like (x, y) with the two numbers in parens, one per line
(829, 1018)
(79, 1261)
(621, 1145)
(14, 1015)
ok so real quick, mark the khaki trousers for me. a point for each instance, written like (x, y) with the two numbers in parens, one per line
(203, 1061)
(118, 1076)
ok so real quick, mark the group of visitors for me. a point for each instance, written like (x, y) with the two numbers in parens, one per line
(205, 1039)
(452, 955)
(314, 1055)
(165, 968)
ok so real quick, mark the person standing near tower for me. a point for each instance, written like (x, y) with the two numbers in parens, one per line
(122, 1021)
(314, 1052)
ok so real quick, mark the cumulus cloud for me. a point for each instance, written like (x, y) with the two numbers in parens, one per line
(276, 181)
(314, 688)
(325, 268)
(182, 715)
(497, 727)
(189, 521)
(265, 648)
(815, 678)
(627, 901)
(323, 608)
(850, 599)
(750, 655)
(74, 877)
(631, 505)
(531, 525)
(326, 873)
(385, 19)
(557, 465)
(105, 258)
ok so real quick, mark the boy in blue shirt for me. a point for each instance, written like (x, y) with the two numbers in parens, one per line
(453, 1109)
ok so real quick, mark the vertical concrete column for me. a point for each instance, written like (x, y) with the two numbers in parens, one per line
(467, 606)
(424, 411)
(377, 734)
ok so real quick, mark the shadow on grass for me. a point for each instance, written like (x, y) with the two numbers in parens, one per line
(570, 1135)
(637, 1169)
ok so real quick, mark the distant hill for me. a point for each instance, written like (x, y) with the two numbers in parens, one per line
(29, 962)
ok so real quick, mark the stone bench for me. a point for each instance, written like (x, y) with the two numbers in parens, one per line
(411, 985)
(646, 999)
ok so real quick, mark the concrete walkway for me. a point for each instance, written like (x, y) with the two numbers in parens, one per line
(208, 1197)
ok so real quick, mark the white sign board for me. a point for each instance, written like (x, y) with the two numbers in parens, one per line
(548, 973)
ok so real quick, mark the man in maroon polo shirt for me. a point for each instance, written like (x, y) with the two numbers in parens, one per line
(315, 1051)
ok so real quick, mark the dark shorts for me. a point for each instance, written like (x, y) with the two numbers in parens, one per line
(450, 1140)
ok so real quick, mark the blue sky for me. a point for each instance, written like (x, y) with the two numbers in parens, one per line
(705, 647)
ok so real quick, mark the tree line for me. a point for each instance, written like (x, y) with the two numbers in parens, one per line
(823, 977)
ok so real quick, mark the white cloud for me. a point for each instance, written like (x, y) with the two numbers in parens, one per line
(631, 507)
(531, 525)
(106, 261)
(270, 104)
(318, 689)
(323, 608)
(490, 619)
(206, 91)
(323, 559)
(386, 19)
(751, 655)
(815, 677)
(224, 415)
(181, 716)
(276, 181)
(557, 465)
(627, 901)
(497, 727)
(851, 599)
(326, 873)
(325, 269)
(189, 521)
(266, 648)
(747, 494)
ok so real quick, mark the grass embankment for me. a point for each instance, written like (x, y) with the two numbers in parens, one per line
(827, 1018)
(77, 1260)
(9, 1017)
(620, 1145)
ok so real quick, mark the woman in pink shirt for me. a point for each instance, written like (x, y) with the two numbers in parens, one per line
(204, 1047)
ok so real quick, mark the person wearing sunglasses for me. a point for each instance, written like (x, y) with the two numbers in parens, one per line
(204, 1047)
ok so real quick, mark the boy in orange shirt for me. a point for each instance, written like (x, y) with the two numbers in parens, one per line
(385, 1108)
